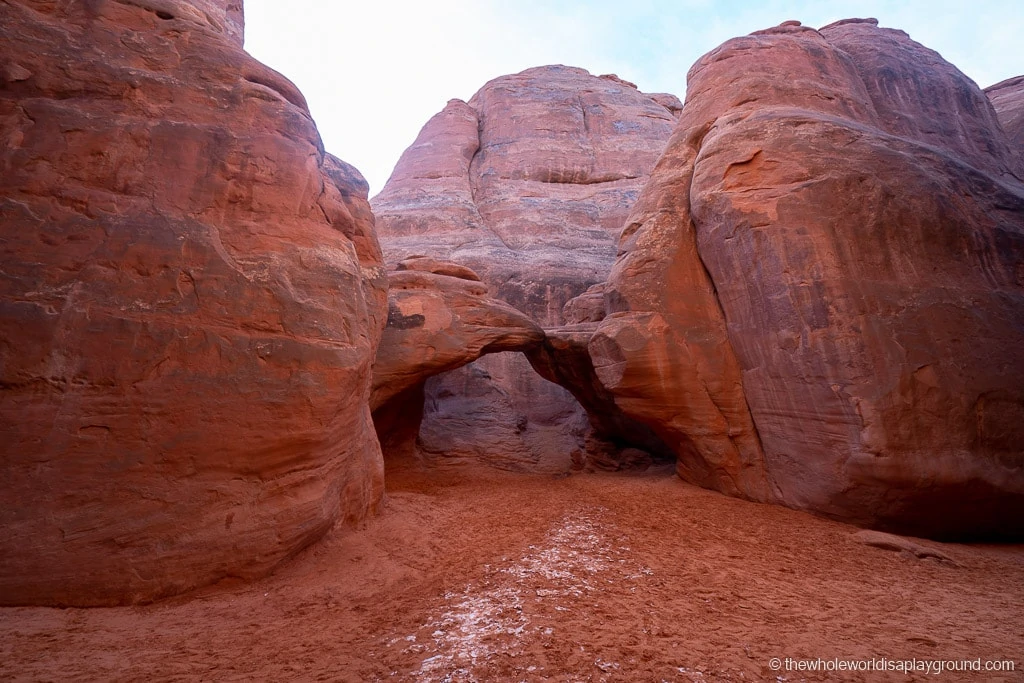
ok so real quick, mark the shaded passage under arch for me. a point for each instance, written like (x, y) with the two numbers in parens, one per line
(440, 321)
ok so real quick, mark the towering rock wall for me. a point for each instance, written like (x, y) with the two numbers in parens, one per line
(821, 299)
(191, 295)
(528, 184)
(1007, 98)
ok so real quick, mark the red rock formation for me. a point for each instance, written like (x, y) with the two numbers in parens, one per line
(440, 318)
(528, 184)
(1007, 98)
(565, 359)
(220, 16)
(438, 322)
(834, 238)
(191, 294)
(433, 265)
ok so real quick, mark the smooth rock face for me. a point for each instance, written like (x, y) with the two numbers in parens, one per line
(528, 184)
(1007, 98)
(191, 295)
(834, 238)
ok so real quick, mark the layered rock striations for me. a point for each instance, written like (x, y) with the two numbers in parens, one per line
(1007, 99)
(191, 295)
(528, 184)
(820, 299)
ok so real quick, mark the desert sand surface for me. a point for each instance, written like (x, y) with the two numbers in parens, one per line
(479, 575)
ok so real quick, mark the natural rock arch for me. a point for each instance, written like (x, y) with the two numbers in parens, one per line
(440, 318)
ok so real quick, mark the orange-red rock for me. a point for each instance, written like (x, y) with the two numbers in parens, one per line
(439, 319)
(191, 294)
(528, 184)
(220, 16)
(834, 238)
(614, 438)
(438, 322)
(433, 265)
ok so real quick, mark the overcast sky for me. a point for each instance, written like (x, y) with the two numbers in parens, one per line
(374, 71)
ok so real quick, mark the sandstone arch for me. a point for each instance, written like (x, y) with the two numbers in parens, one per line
(440, 319)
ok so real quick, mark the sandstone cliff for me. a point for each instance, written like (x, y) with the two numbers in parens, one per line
(820, 299)
(191, 295)
(528, 184)
(1007, 98)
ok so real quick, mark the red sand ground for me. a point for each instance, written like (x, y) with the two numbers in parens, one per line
(489, 576)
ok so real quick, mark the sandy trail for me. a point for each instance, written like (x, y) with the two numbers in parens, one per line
(485, 576)
(502, 626)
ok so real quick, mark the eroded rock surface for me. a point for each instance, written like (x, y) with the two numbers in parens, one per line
(221, 16)
(439, 319)
(1007, 98)
(832, 239)
(901, 544)
(528, 184)
(191, 295)
(437, 322)
(614, 439)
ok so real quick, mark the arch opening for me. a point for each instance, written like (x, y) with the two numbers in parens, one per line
(499, 411)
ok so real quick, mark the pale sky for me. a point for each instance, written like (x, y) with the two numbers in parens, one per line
(374, 71)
